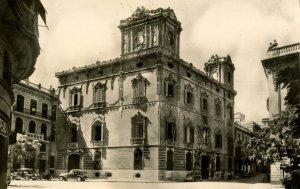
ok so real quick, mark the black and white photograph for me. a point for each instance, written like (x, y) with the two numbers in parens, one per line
(149, 94)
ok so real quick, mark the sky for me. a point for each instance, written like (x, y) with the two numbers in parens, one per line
(82, 32)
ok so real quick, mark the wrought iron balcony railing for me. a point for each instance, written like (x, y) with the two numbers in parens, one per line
(137, 141)
(33, 113)
(97, 143)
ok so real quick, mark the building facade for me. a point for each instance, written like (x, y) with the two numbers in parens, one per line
(19, 49)
(278, 58)
(243, 165)
(34, 115)
(147, 115)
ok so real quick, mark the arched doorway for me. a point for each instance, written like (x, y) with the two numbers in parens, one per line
(188, 161)
(19, 125)
(73, 161)
(205, 167)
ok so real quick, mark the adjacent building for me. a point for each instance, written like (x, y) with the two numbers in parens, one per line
(34, 115)
(19, 49)
(148, 114)
(278, 58)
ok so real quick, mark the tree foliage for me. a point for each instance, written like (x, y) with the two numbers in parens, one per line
(25, 148)
(289, 78)
(275, 143)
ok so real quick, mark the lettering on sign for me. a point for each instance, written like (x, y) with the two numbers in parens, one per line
(3, 126)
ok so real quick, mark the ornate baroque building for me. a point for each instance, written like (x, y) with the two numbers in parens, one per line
(19, 49)
(34, 115)
(278, 58)
(147, 115)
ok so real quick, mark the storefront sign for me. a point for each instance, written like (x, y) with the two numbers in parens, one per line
(3, 127)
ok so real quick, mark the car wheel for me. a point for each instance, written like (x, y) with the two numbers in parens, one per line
(61, 179)
(78, 178)
(26, 177)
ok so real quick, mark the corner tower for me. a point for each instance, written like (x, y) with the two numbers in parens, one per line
(221, 69)
(150, 31)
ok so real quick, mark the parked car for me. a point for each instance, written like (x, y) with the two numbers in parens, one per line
(193, 177)
(79, 175)
(8, 180)
(26, 173)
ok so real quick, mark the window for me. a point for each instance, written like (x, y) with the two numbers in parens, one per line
(138, 159)
(218, 140)
(44, 130)
(205, 135)
(218, 107)
(19, 125)
(170, 160)
(52, 138)
(44, 110)
(31, 127)
(230, 145)
(54, 112)
(138, 128)
(43, 147)
(189, 134)
(75, 98)
(230, 113)
(169, 86)
(188, 95)
(188, 161)
(139, 85)
(20, 103)
(228, 77)
(99, 94)
(74, 134)
(170, 131)
(97, 132)
(204, 101)
(33, 105)
(97, 160)
(218, 163)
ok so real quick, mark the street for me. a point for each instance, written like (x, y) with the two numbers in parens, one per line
(90, 184)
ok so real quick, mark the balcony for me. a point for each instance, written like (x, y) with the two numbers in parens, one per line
(97, 143)
(137, 141)
(72, 144)
(284, 50)
(74, 108)
(35, 136)
(32, 113)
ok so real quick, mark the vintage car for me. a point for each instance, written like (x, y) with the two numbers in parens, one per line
(77, 174)
(26, 173)
(193, 177)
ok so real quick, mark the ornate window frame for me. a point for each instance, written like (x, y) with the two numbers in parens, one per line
(75, 99)
(138, 129)
(170, 130)
(169, 86)
(189, 97)
(139, 86)
(204, 101)
(218, 107)
(99, 95)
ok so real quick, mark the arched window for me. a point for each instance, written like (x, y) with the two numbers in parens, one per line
(19, 125)
(170, 160)
(188, 161)
(44, 130)
(138, 159)
(97, 160)
(31, 127)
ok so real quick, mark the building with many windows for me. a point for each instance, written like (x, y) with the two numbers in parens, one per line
(147, 115)
(278, 58)
(34, 115)
(19, 49)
